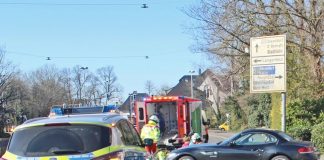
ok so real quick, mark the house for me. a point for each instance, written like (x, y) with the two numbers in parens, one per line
(216, 88)
(139, 97)
(212, 89)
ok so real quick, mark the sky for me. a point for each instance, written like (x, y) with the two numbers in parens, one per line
(119, 33)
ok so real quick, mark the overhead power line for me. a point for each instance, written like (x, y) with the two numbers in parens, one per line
(78, 57)
(23, 53)
(72, 4)
(99, 57)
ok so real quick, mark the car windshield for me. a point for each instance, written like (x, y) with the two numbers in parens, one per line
(285, 136)
(228, 140)
(59, 140)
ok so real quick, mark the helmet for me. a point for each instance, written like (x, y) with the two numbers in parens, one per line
(154, 118)
(195, 136)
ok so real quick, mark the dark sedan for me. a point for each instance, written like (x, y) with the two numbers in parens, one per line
(252, 144)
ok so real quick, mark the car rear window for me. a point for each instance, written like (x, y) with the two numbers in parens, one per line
(59, 140)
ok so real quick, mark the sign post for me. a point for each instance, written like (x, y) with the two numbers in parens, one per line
(283, 111)
(268, 67)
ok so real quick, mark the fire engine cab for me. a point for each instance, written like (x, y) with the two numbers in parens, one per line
(178, 115)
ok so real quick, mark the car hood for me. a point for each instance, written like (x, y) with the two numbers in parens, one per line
(11, 156)
(196, 147)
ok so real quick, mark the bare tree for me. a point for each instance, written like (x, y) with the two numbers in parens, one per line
(46, 89)
(66, 80)
(93, 90)
(8, 89)
(163, 90)
(7, 73)
(21, 87)
(81, 76)
(149, 86)
(227, 25)
(108, 81)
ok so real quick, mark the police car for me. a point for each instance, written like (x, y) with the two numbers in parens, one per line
(76, 137)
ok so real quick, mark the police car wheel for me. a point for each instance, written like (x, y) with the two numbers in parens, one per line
(186, 158)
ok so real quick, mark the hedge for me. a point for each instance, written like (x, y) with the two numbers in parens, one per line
(318, 136)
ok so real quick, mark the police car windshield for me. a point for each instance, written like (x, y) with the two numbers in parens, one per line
(62, 140)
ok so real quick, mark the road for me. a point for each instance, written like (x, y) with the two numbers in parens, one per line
(217, 135)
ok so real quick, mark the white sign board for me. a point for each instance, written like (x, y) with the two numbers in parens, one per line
(268, 64)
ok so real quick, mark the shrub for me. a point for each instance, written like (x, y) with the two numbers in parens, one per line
(306, 110)
(318, 136)
(238, 119)
(259, 110)
(303, 115)
(300, 132)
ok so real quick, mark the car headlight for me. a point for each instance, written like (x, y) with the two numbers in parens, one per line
(172, 156)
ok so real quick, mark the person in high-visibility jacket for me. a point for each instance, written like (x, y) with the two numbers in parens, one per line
(151, 132)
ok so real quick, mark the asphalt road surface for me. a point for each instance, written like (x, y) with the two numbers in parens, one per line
(217, 136)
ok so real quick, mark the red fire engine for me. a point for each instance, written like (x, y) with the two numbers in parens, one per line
(178, 115)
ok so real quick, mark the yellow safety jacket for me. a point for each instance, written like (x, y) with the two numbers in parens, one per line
(151, 131)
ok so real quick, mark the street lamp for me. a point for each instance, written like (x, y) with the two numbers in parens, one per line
(191, 84)
(83, 68)
(144, 6)
(131, 104)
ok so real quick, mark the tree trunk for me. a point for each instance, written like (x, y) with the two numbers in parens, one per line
(317, 69)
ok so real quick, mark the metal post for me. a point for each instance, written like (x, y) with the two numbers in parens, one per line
(191, 89)
(191, 83)
(130, 107)
(131, 104)
(107, 96)
(283, 111)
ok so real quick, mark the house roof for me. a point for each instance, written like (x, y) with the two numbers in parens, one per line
(184, 85)
(139, 97)
(183, 88)
(221, 81)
